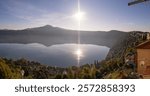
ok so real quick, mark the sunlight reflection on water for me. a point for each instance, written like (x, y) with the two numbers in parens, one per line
(57, 55)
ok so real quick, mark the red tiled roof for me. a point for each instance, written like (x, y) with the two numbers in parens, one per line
(144, 45)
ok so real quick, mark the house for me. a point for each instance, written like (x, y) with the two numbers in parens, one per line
(143, 58)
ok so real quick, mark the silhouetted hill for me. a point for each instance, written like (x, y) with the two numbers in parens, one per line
(49, 35)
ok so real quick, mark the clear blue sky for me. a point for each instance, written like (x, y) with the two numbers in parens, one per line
(99, 14)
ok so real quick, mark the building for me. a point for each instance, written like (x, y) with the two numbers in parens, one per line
(143, 58)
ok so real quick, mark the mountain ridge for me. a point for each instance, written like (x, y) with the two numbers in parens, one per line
(49, 35)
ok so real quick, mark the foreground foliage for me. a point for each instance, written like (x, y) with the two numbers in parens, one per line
(112, 69)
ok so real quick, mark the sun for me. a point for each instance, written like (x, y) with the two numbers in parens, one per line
(79, 15)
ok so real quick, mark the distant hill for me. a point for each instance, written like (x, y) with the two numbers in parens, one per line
(49, 35)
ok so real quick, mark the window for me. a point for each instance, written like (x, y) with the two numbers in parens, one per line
(142, 63)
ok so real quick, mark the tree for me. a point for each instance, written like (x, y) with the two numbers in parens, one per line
(5, 71)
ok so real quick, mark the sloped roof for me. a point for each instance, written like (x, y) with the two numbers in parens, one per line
(144, 45)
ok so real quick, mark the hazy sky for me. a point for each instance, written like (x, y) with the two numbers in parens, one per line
(99, 14)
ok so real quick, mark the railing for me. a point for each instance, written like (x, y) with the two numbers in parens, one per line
(136, 2)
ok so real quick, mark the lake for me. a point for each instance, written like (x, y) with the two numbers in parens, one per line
(57, 55)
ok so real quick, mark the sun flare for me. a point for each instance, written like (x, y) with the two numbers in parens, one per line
(79, 53)
(79, 15)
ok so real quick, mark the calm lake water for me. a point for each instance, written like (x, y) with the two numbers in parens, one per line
(57, 55)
